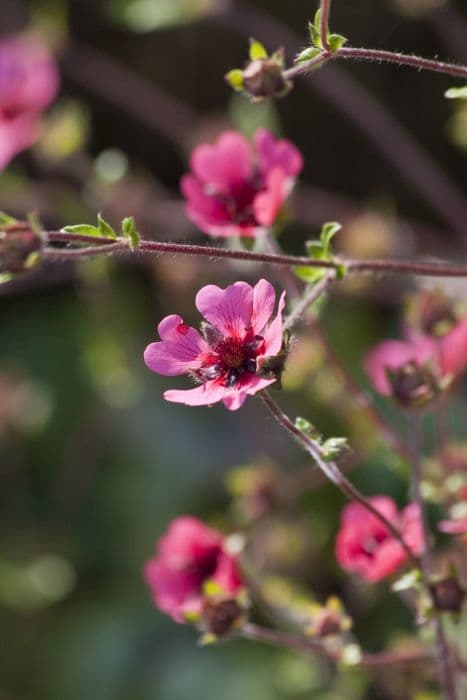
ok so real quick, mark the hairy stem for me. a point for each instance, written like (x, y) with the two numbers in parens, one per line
(332, 471)
(325, 7)
(443, 655)
(99, 246)
(400, 59)
(313, 646)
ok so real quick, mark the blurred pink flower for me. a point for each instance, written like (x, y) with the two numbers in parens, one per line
(392, 355)
(28, 83)
(365, 546)
(451, 349)
(227, 359)
(235, 190)
(188, 556)
(453, 527)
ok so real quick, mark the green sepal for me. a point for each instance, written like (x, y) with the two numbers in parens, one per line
(456, 93)
(129, 231)
(235, 79)
(257, 52)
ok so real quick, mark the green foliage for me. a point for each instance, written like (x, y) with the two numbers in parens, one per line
(235, 79)
(257, 51)
(102, 230)
(5, 219)
(320, 250)
(335, 41)
(129, 231)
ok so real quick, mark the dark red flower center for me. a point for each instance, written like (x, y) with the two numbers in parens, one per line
(232, 357)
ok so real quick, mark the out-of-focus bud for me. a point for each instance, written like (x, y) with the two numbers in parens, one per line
(448, 594)
(20, 247)
(221, 617)
(329, 620)
(413, 385)
(263, 75)
(432, 313)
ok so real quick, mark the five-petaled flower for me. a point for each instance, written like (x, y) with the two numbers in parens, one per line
(232, 356)
(189, 556)
(365, 546)
(234, 190)
(28, 83)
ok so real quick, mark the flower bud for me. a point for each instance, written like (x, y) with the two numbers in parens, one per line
(221, 617)
(413, 385)
(20, 246)
(448, 594)
(263, 78)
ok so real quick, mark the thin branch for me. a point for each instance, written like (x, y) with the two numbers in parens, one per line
(105, 245)
(313, 646)
(400, 59)
(333, 473)
(307, 300)
(443, 655)
(325, 7)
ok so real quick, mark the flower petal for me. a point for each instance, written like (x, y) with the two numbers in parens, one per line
(225, 164)
(273, 153)
(393, 354)
(264, 298)
(268, 202)
(273, 333)
(229, 310)
(203, 395)
(182, 348)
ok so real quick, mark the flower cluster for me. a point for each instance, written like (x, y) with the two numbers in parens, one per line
(230, 359)
(28, 83)
(365, 546)
(189, 556)
(234, 190)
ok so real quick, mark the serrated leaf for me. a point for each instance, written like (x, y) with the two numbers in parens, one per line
(129, 231)
(105, 228)
(307, 54)
(235, 78)
(83, 229)
(456, 93)
(257, 51)
(336, 41)
(5, 219)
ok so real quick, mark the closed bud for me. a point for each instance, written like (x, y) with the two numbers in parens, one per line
(221, 617)
(20, 246)
(263, 78)
(448, 594)
(413, 385)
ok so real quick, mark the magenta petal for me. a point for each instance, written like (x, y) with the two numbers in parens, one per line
(264, 298)
(234, 399)
(224, 164)
(204, 395)
(452, 350)
(273, 153)
(268, 202)
(16, 135)
(182, 348)
(273, 333)
(229, 310)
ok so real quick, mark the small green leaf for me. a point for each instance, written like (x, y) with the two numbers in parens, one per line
(311, 275)
(336, 41)
(314, 34)
(307, 54)
(308, 428)
(257, 51)
(235, 78)
(35, 224)
(328, 231)
(5, 219)
(82, 229)
(456, 93)
(335, 447)
(129, 231)
(105, 228)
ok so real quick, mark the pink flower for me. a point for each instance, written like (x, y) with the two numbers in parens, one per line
(365, 546)
(234, 190)
(188, 556)
(451, 349)
(229, 358)
(28, 83)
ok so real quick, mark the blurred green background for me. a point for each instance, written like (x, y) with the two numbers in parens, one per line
(93, 463)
